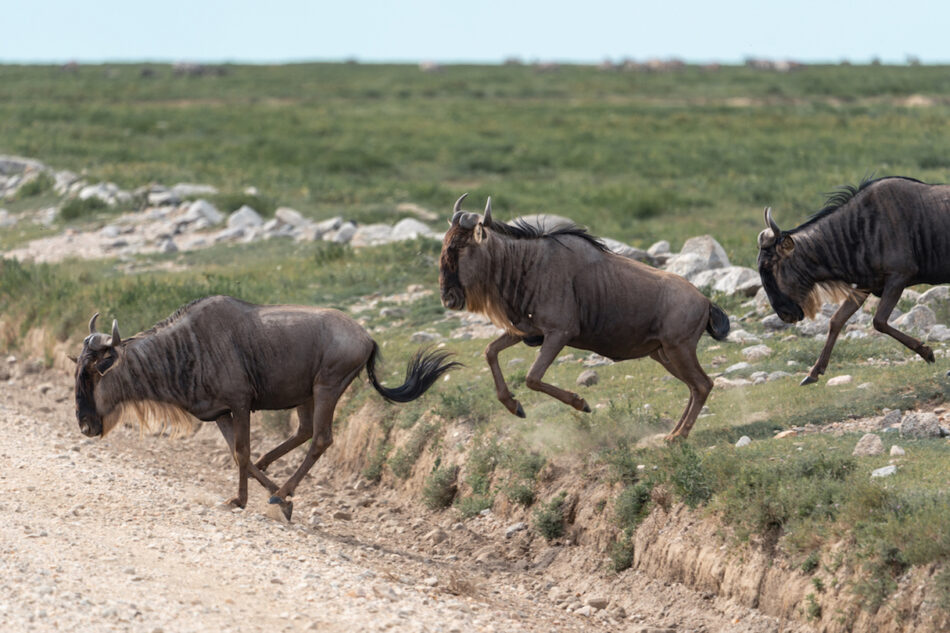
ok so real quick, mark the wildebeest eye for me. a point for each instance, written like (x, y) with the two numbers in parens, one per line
(103, 365)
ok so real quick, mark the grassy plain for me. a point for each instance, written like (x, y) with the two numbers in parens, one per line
(636, 156)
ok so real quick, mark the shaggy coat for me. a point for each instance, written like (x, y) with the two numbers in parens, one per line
(562, 287)
(875, 239)
(220, 358)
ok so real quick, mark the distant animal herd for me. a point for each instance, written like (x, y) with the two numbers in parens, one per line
(219, 358)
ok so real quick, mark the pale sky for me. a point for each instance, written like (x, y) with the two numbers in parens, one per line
(481, 31)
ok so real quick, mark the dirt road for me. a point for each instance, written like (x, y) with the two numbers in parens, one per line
(128, 534)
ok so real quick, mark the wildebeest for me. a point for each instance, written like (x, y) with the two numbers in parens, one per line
(877, 239)
(561, 287)
(220, 358)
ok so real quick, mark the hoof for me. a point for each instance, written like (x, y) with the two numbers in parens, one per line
(674, 437)
(287, 507)
(230, 504)
(520, 411)
(808, 380)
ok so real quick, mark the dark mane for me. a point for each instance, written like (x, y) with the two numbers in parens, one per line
(522, 230)
(171, 320)
(844, 194)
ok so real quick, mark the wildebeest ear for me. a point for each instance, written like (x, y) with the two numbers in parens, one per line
(73, 358)
(787, 245)
(479, 233)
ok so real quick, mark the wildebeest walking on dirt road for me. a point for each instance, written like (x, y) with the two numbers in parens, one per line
(220, 358)
(562, 287)
(877, 239)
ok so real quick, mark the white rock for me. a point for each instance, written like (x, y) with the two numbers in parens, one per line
(6, 219)
(837, 381)
(887, 471)
(202, 210)
(587, 378)
(939, 333)
(189, 190)
(745, 440)
(923, 424)
(711, 252)
(897, 451)
(514, 528)
(372, 235)
(341, 235)
(686, 265)
(244, 218)
(162, 198)
(870, 444)
(659, 248)
(919, 320)
(738, 335)
(937, 294)
(409, 228)
(545, 221)
(756, 352)
(737, 367)
(291, 217)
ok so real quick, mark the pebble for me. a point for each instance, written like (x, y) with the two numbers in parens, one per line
(587, 378)
(886, 471)
(837, 381)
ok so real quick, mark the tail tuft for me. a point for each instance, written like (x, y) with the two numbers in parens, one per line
(423, 369)
(718, 324)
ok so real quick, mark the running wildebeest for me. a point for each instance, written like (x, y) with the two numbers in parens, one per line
(877, 239)
(219, 358)
(561, 287)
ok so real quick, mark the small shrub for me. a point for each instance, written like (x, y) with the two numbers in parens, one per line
(440, 488)
(402, 462)
(621, 555)
(549, 518)
(374, 468)
(74, 208)
(690, 480)
(810, 564)
(632, 505)
(471, 506)
(812, 609)
(520, 493)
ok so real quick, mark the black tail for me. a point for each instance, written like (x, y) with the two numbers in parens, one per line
(423, 370)
(718, 324)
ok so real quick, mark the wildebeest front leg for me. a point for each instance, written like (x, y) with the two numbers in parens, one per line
(501, 387)
(851, 305)
(889, 298)
(552, 346)
(227, 427)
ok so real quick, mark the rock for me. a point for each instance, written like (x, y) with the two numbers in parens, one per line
(784, 434)
(514, 528)
(244, 218)
(228, 235)
(837, 381)
(342, 515)
(190, 190)
(435, 537)
(897, 451)
(777, 375)
(937, 294)
(431, 581)
(587, 378)
(813, 327)
(737, 367)
(202, 210)
(545, 221)
(939, 333)
(708, 249)
(425, 337)
(625, 250)
(728, 383)
(585, 610)
(6, 220)
(756, 352)
(167, 245)
(342, 235)
(598, 602)
(686, 265)
(918, 321)
(409, 228)
(891, 418)
(869, 445)
(745, 440)
(291, 216)
(372, 235)
(732, 280)
(161, 198)
(738, 335)
(659, 248)
(886, 471)
(921, 425)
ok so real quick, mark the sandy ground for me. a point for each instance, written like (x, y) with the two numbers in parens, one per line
(128, 533)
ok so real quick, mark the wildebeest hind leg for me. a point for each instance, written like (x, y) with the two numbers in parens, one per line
(325, 399)
(304, 433)
(552, 346)
(681, 361)
(850, 305)
(226, 426)
(889, 298)
(501, 387)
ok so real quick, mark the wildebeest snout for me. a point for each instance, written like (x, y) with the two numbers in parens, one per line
(453, 298)
(90, 426)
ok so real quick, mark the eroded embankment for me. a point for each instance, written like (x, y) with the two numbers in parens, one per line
(673, 544)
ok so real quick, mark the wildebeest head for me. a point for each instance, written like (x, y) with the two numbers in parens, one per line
(785, 291)
(98, 356)
(466, 231)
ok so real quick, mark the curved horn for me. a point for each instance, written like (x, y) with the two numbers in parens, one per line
(468, 220)
(92, 323)
(116, 339)
(458, 203)
(486, 221)
(769, 222)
